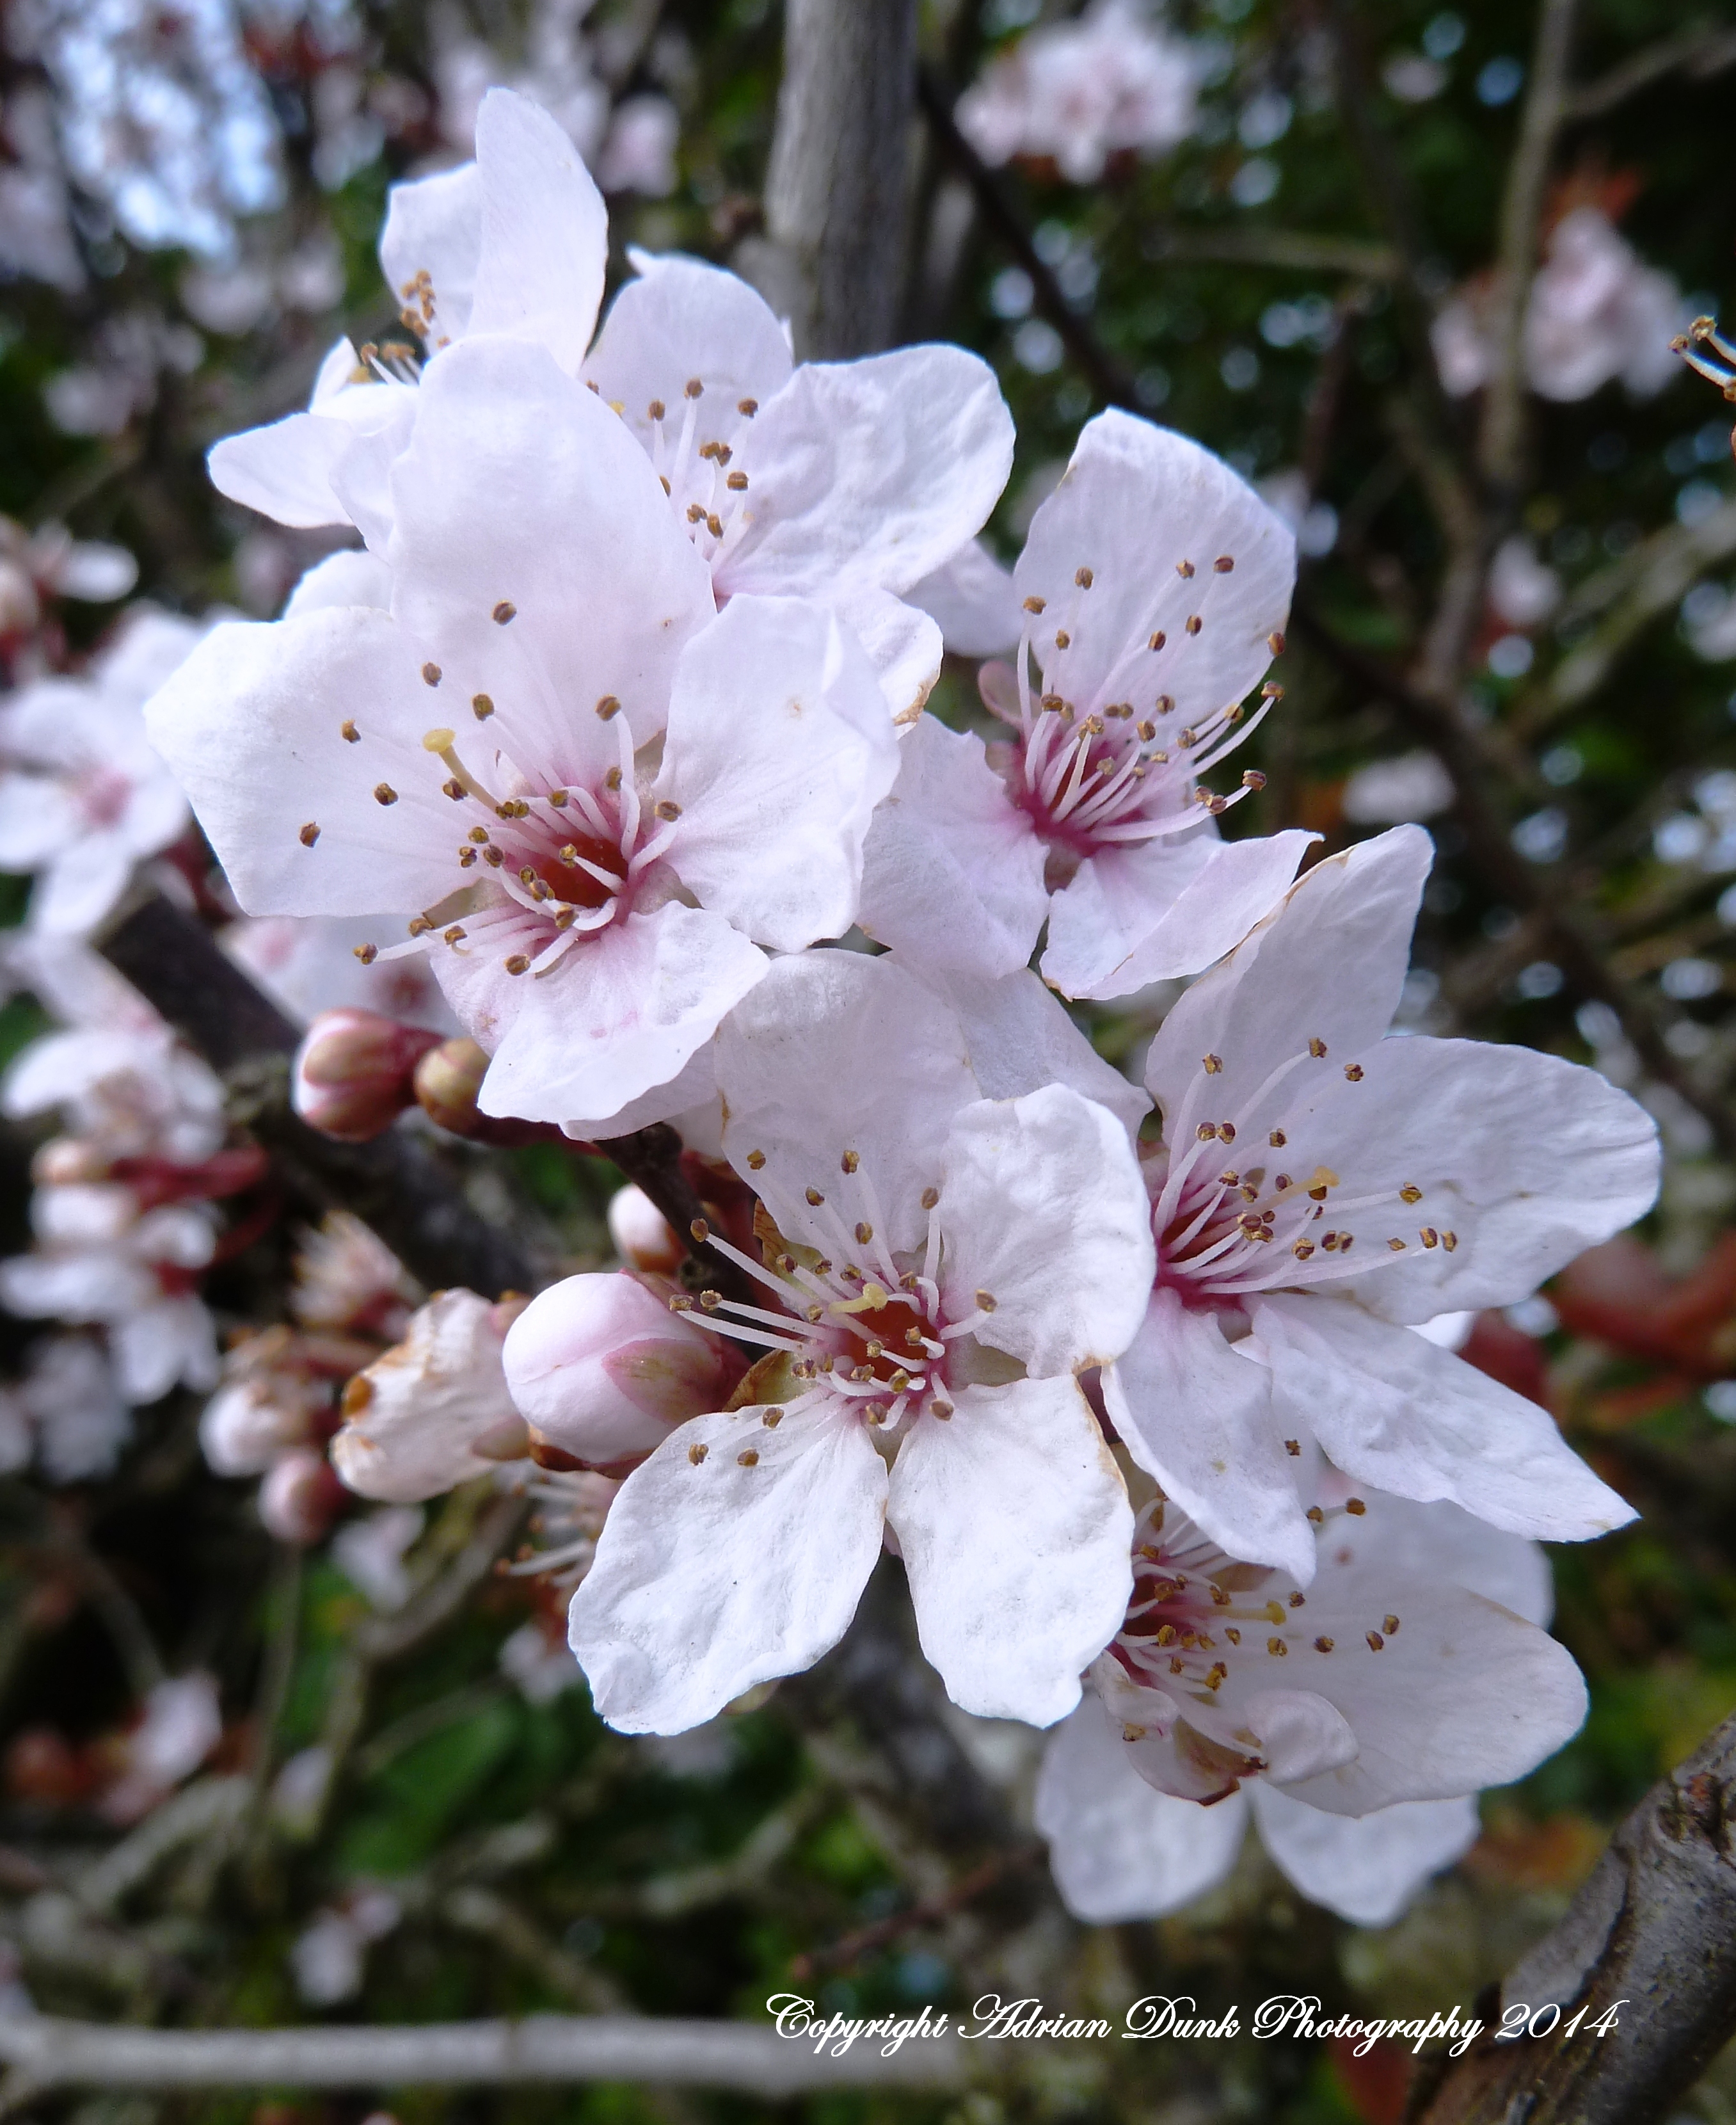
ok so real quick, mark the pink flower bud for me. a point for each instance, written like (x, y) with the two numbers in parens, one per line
(448, 1081)
(641, 1234)
(601, 1369)
(299, 1498)
(353, 1072)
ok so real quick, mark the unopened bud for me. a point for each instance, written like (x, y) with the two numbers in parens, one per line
(19, 608)
(65, 1160)
(603, 1371)
(300, 1497)
(448, 1080)
(642, 1235)
(353, 1071)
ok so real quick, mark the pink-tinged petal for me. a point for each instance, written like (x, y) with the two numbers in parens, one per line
(620, 1013)
(1119, 1849)
(1020, 1039)
(1366, 1869)
(429, 248)
(736, 1554)
(953, 871)
(777, 750)
(1152, 911)
(545, 231)
(971, 599)
(1301, 1735)
(901, 643)
(1042, 1208)
(349, 577)
(1396, 1411)
(1523, 1159)
(1438, 1541)
(520, 493)
(38, 817)
(681, 321)
(1147, 515)
(1199, 1418)
(1328, 964)
(691, 1087)
(283, 470)
(1014, 1526)
(602, 1367)
(836, 1052)
(870, 472)
(251, 725)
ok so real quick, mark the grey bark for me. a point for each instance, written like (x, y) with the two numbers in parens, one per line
(46, 2053)
(1651, 1935)
(836, 194)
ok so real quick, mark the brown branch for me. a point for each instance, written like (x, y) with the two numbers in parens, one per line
(1697, 52)
(1651, 1937)
(1501, 436)
(392, 1184)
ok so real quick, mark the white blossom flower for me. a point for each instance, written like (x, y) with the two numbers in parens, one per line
(640, 795)
(66, 1410)
(1077, 93)
(847, 481)
(309, 965)
(944, 1266)
(1596, 312)
(1318, 1186)
(179, 1725)
(1355, 1724)
(537, 1658)
(433, 1410)
(369, 1553)
(1153, 587)
(83, 797)
(327, 1956)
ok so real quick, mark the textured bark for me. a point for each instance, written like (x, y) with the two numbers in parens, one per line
(45, 2052)
(392, 1184)
(836, 194)
(1651, 1935)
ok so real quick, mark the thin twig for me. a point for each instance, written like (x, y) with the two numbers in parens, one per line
(929, 1910)
(1698, 52)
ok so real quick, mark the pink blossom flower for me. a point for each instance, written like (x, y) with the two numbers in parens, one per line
(1153, 585)
(1354, 1724)
(946, 1266)
(1318, 1186)
(605, 798)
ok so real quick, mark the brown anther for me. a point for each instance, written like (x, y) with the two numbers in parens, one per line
(697, 1453)
(1217, 805)
(1277, 1646)
(1298, 1601)
(1146, 731)
(1323, 1644)
(700, 1230)
(1063, 640)
(454, 788)
(1278, 1139)
(1355, 1507)
(1315, 1515)
(1157, 640)
(696, 513)
(985, 1301)
(943, 1410)
(466, 857)
(1275, 643)
(349, 734)
(503, 612)
(737, 482)
(607, 708)
(455, 935)
(1389, 1625)
(1205, 1132)
(864, 1234)
(309, 835)
(747, 1458)
(1223, 564)
(430, 675)
(694, 387)
(930, 1197)
(1353, 1072)
(519, 963)
(493, 857)
(1226, 1132)
(482, 707)
(611, 780)
(1213, 1064)
(1429, 1237)
(419, 925)
(1449, 1240)
(1293, 1447)
(1396, 1246)
(367, 954)
(1252, 779)
(384, 794)
(1302, 1249)
(755, 1160)
(711, 1300)
(1410, 1193)
(1184, 569)
(815, 1198)
(748, 407)
(715, 525)
(850, 1161)
(1083, 578)
(655, 410)
(1375, 1642)
(1034, 603)
(772, 1419)
(665, 807)
(1317, 1049)
(1272, 691)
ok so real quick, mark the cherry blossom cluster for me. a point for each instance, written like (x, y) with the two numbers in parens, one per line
(614, 721)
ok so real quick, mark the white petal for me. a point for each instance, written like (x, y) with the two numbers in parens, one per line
(871, 472)
(521, 492)
(1199, 1418)
(545, 234)
(693, 1086)
(618, 1015)
(1440, 1540)
(1014, 1528)
(1367, 1870)
(283, 470)
(352, 576)
(1327, 964)
(1135, 504)
(1396, 1411)
(679, 321)
(1042, 1207)
(1525, 1159)
(1119, 1849)
(777, 751)
(430, 1397)
(971, 599)
(901, 643)
(1149, 913)
(38, 818)
(712, 1575)
(1021, 1038)
(74, 893)
(836, 1052)
(1300, 1734)
(251, 724)
(952, 872)
(434, 226)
